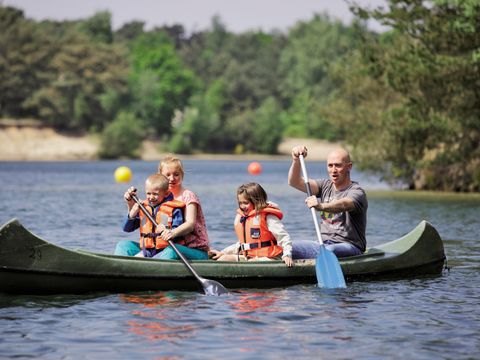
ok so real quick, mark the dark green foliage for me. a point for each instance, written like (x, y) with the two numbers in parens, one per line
(129, 31)
(268, 128)
(420, 97)
(25, 56)
(80, 76)
(160, 83)
(305, 65)
(198, 127)
(98, 27)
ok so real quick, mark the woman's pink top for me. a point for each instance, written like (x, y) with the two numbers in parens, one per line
(198, 238)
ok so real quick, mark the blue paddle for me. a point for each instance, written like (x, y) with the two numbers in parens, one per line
(327, 267)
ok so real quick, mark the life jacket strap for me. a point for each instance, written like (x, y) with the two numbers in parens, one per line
(251, 246)
(150, 235)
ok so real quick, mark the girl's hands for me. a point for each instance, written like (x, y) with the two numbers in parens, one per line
(214, 254)
(288, 261)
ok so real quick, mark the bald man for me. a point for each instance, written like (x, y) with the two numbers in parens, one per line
(342, 204)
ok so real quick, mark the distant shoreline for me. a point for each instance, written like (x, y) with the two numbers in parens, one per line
(30, 142)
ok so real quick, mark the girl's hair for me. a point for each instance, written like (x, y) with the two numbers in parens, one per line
(158, 180)
(254, 193)
(171, 160)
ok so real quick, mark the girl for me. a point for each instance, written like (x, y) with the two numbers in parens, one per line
(260, 232)
(193, 230)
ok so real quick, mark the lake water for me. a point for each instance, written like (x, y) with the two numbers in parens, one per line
(78, 205)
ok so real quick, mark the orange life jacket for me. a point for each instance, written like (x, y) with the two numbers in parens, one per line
(253, 234)
(150, 239)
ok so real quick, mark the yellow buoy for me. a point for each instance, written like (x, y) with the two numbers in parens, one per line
(123, 174)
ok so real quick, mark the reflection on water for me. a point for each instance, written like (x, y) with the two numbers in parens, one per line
(153, 318)
(252, 305)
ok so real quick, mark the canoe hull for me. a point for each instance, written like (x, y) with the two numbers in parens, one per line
(30, 265)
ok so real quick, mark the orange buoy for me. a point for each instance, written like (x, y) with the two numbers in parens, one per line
(254, 168)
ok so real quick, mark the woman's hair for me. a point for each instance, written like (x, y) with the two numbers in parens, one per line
(171, 160)
(254, 193)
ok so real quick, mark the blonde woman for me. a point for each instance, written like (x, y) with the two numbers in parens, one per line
(193, 230)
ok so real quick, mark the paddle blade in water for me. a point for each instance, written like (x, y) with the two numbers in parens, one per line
(329, 272)
(212, 287)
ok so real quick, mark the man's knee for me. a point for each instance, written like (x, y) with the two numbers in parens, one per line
(343, 249)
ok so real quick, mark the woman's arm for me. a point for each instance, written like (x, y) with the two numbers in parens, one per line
(188, 225)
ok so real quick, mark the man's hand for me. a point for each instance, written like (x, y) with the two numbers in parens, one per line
(312, 202)
(299, 150)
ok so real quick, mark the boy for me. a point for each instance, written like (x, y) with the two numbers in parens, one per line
(167, 212)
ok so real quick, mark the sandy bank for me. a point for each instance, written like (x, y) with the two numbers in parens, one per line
(35, 143)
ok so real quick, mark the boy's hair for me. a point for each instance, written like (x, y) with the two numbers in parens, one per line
(171, 160)
(159, 181)
(254, 193)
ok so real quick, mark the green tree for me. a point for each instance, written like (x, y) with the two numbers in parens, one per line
(81, 74)
(255, 131)
(251, 75)
(98, 27)
(160, 83)
(197, 129)
(268, 127)
(122, 137)
(305, 64)
(25, 55)
(129, 31)
(432, 134)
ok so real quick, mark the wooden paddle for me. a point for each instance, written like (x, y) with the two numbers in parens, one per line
(327, 267)
(210, 287)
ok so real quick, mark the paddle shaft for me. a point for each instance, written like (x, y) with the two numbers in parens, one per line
(170, 242)
(309, 193)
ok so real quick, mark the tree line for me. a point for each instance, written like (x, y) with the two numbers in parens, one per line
(405, 100)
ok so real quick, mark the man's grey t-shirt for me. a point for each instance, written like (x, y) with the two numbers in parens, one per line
(346, 226)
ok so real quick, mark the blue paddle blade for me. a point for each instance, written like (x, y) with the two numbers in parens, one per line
(329, 272)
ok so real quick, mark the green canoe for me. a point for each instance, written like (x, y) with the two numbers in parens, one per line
(30, 265)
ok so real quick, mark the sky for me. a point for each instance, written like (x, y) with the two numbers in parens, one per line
(195, 15)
